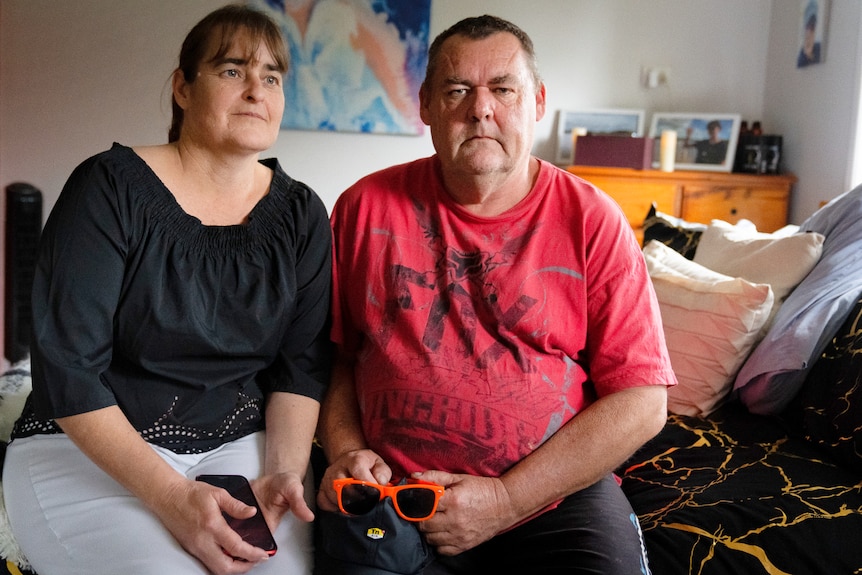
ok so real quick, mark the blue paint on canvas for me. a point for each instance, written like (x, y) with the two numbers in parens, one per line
(355, 65)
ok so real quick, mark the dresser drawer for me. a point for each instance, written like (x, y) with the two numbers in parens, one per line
(635, 198)
(766, 207)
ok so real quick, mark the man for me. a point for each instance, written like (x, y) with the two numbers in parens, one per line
(497, 330)
(712, 150)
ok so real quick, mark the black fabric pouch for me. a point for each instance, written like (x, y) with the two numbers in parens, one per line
(379, 542)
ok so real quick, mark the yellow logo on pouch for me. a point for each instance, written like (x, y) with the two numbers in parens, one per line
(375, 533)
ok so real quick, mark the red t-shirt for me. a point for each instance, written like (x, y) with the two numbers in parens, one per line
(477, 338)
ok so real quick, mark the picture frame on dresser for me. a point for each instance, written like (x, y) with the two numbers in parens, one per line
(704, 141)
(596, 122)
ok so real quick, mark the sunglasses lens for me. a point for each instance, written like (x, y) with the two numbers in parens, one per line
(416, 502)
(359, 499)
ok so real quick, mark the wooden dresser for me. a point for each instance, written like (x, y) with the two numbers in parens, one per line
(695, 196)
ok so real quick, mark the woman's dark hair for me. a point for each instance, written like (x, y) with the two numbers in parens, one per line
(213, 36)
(477, 28)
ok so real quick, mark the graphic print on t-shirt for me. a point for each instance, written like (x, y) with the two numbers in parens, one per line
(463, 372)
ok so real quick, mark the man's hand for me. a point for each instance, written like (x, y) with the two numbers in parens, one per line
(361, 464)
(471, 511)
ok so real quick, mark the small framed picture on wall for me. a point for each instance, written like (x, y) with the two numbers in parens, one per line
(813, 17)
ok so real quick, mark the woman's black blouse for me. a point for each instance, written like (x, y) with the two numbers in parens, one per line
(185, 327)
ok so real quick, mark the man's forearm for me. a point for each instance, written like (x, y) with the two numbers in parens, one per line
(587, 448)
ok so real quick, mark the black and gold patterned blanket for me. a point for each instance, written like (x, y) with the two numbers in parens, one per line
(736, 493)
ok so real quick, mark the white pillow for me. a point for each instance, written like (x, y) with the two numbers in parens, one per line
(711, 321)
(777, 259)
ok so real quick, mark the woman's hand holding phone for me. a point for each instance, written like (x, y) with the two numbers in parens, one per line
(250, 524)
(193, 512)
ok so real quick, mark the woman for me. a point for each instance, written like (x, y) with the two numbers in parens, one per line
(181, 299)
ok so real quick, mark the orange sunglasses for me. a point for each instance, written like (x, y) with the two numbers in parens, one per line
(413, 499)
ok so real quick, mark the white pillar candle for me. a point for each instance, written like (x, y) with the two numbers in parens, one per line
(667, 150)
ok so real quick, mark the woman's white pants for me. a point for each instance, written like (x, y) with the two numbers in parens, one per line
(70, 517)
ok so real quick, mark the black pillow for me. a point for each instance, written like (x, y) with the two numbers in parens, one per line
(677, 234)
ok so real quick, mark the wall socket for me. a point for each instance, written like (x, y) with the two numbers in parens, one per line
(654, 77)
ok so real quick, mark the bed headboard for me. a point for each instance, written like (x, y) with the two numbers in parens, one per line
(23, 228)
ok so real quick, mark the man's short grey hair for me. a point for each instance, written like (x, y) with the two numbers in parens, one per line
(477, 28)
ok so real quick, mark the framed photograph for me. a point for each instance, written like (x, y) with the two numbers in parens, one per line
(813, 15)
(703, 141)
(605, 122)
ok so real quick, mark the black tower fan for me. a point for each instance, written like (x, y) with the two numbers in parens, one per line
(23, 227)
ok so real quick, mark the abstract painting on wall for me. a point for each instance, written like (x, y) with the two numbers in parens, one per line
(355, 65)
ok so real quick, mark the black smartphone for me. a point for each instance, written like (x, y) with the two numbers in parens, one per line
(253, 530)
